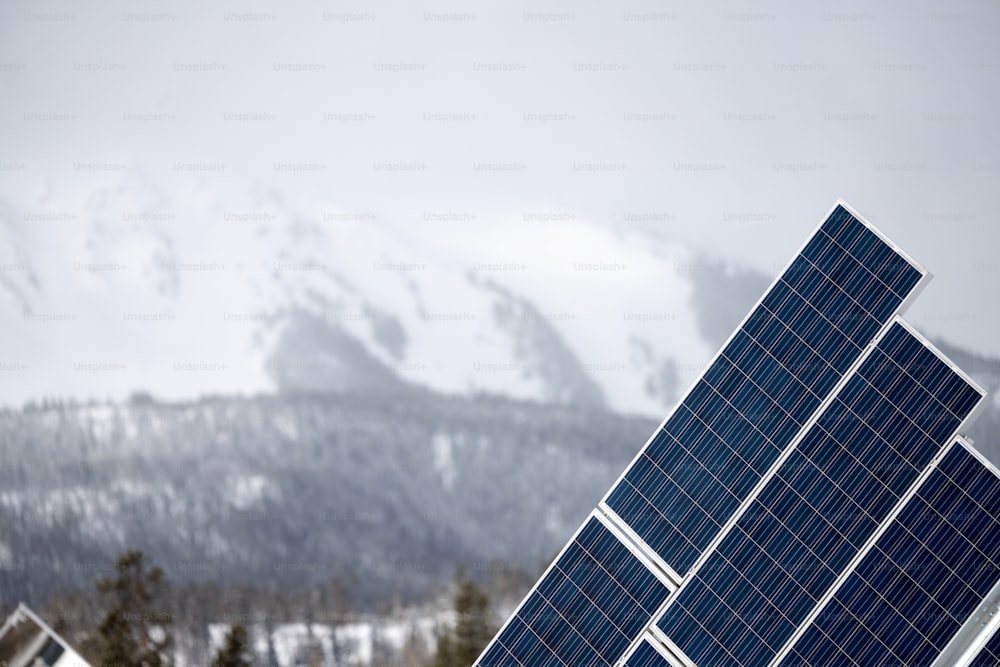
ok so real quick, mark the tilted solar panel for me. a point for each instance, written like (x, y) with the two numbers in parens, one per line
(768, 380)
(586, 610)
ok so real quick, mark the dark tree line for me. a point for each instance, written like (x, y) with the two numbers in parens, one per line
(137, 619)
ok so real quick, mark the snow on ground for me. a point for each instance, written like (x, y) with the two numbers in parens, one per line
(356, 642)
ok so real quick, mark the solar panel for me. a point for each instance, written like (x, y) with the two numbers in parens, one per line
(806, 503)
(587, 608)
(770, 377)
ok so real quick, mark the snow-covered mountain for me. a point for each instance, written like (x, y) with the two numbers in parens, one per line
(209, 290)
(390, 490)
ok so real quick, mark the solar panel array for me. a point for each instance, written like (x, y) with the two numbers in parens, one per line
(797, 507)
(925, 576)
(823, 504)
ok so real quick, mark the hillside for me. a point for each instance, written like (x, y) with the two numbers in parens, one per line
(393, 490)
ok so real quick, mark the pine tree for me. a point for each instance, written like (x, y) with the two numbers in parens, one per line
(444, 656)
(134, 631)
(472, 628)
(272, 652)
(235, 652)
(460, 646)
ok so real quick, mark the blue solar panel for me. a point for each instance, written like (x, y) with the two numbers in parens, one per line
(585, 611)
(826, 500)
(646, 656)
(926, 574)
(772, 375)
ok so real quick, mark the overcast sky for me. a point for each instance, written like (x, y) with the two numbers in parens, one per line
(730, 129)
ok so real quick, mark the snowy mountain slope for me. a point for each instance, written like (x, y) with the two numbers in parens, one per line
(129, 288)
(393, 489)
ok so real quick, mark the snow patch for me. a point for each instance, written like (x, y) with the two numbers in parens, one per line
(351, 643)
(245, 491)
(444, 462)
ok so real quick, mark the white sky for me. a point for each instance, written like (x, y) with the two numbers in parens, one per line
(756, 121)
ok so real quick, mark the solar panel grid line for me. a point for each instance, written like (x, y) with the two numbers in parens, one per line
(988, 465)
(924, 276)
(590, 599)
(835, 327)
(862, 418)
(656, 509)
(863, 256)
(769, 355)
(883, 525)
(824, 246)
(865, 625)
(804, 501)
(753, 585)
(581, 601)
(521, 604)
(825, 274)
(776, 399)
(607, 508)
(678, 597)
(659, 613)
(748, 502)
(874, 586)
(992, 559)
(895, 402)
(891, 245)
(977, 643)
(931, 392)
(621, 525)
(839, 264)
(510, 649)
(954, 368)
(554, 648)
(929, 616)
(732, 612)
(711, 471)
(553, 602)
